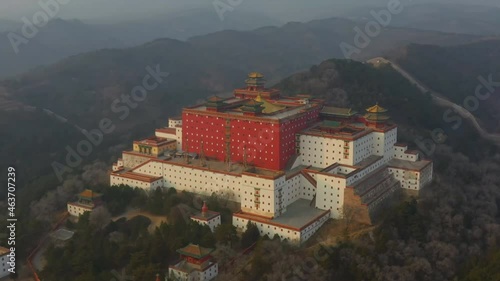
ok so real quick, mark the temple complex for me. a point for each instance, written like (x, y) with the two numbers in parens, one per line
(291, 163)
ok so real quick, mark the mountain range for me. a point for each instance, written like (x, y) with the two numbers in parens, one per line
(62, 38)
(450, 17)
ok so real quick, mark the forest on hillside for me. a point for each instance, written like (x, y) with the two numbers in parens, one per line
(451, 232)
(468, 75)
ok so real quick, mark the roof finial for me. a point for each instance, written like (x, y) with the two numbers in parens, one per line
(204, 209)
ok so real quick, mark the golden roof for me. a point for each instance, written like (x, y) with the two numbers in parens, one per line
(89, 194)
(255, 75)
(268, 107)
(376, 109)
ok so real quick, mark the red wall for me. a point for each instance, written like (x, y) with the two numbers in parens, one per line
(260, 140)
(207, 129)
(267, 145)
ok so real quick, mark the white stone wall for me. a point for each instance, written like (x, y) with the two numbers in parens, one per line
(172, 123)
(181, 275)
(330, 194)
(307, 190)
(409, 179)
(76, 211)
(400, 153)
(194, 180)
(390, 138)
(212, 223)
(4, 267)
(413, 180)
(210, 273)
(293, 236)
(262, 189)
(378, 143)
(322, 151)
(178, 134)
(270, 230)
(165, 135)
(307, 232)
(426, 175)
(148, 186)
(293, 189)
(363, 147)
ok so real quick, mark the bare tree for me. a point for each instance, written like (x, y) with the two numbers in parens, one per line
(100, 217)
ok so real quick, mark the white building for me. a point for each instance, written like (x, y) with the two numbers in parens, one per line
(87, 202)
(207, 217)
(196, 264)
(4, 267)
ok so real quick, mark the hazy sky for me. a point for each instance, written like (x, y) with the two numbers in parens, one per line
(112, 10)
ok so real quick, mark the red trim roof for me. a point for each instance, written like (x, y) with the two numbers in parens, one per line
(261, 219)
(167, 130)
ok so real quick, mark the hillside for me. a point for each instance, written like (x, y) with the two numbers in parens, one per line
(357, 85)
(454, 72)
(63, 38)
(57, 40)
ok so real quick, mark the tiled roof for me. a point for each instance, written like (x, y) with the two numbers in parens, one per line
(209, 215)
(376, 109)
(195, 251)
(255, 75)
(338, 111)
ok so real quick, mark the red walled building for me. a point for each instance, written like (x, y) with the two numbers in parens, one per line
(256, 126)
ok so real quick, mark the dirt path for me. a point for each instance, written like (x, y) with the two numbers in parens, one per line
(155, 219)
(440, 99)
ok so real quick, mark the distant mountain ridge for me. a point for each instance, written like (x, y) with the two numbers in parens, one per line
(450, 18)
(62, 38)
